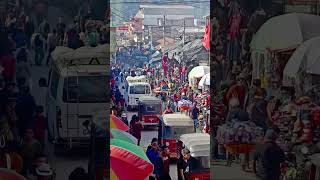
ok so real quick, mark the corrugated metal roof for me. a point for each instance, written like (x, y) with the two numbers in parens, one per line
(178, 6)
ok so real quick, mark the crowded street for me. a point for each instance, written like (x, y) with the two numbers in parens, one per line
(160, 99)
(32, 35)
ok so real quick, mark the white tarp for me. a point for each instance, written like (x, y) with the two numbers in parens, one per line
(306, 59)
(285, 31)
(205, 81)
(64, 54)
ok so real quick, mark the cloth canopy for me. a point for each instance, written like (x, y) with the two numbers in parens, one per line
(285, 31)
(306, 58)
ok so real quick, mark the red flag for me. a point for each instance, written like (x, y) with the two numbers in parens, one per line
(206, 38)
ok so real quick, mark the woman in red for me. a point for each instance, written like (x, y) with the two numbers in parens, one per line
(136, 130)
(165, 163)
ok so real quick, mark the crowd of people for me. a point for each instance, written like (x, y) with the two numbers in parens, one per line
(23, 44)
(262, 102)
(169, 82)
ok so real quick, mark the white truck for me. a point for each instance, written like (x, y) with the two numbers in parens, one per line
(136, 87)
(77, 90)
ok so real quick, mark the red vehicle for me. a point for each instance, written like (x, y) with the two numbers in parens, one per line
(199, 147)
(150, 109)
(171, 126)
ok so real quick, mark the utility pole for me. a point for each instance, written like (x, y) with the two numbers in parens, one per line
(164, 29)
(184, 31)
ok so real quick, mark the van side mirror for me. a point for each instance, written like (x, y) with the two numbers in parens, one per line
(43, 82)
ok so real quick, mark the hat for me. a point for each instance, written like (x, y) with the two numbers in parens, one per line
(44, 170)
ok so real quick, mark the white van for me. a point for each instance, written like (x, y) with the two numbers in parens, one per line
(136, 87)
(77, 90)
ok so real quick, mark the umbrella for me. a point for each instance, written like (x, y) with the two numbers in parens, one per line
(306, 58)
(286, 31)
(128, 161)
(116, 123)
(6, 174)
(199, 71)
(205, 80)
(122, 135)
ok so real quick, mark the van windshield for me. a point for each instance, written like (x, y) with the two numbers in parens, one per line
(85, 89)
(139, 89)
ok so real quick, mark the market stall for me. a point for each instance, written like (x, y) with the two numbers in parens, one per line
(196, 74)
(276, 40)
(303, 68)
(204, 82)
(299, 137)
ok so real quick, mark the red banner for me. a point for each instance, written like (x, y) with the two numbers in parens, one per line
(206, 38)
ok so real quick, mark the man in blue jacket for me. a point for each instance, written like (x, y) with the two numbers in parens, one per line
(153, 154)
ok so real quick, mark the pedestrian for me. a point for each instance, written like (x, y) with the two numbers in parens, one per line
(52, 41)
(61, 30)
(38, 45)
(194, 115)
(39, 160)
(25, 109)
(8, 62)
(29, 29)
(23, 74)
(20, 38)
(183, 72)
(93, 38)
(182, 165)
(165, 163)
(268, 158)
(39, 126)
(168, 110)
(30, 148)
(137, 129)
(16, 161)
(154, 156)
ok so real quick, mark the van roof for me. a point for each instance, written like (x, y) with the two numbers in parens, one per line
(149, 99)
(82, 70)
(197, 143)
(138, 83)
(177, 119)
(82, 60)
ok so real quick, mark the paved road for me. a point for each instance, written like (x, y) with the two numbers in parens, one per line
(219, 171)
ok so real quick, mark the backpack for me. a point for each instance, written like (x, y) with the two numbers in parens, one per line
(93, 39)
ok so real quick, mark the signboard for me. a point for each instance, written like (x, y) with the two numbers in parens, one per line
(123, 28)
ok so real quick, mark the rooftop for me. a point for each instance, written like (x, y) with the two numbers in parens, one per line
(171, 6)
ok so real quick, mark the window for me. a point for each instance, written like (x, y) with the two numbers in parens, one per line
(140, 89)
(86, 89)
(54, 82)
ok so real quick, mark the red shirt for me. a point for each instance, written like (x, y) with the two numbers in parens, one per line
(39, 132)
(136, 130)
(9, 65)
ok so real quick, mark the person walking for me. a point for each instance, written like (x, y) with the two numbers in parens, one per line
(52, 41)
(268, 158)
(38, 46)
(61, 26)
(194, 115)
(165, 163)
(182, 165)
(137, 129)
(154, 156)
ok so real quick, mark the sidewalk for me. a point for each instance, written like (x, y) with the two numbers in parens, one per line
(219, 171)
